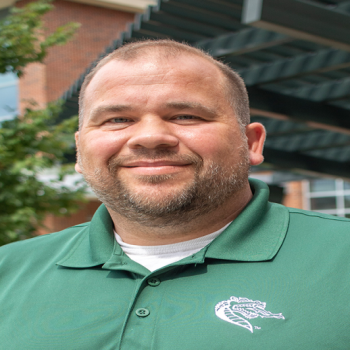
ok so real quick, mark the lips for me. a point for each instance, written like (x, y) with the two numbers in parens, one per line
(154, 164)
(159, 167)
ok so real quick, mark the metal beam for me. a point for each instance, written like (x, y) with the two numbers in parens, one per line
(243, 41)
(311, 141)
(173, 32)
(275, 127)
(336, 154)
(297, 66)
(186, 24)
(201, 15)
(326, 91)
(299, 19)
(339, 146)
(295, 161)
(294, 132)
(314, 114)
(231, 8)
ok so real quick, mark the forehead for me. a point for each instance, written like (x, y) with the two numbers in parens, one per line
(156, 70)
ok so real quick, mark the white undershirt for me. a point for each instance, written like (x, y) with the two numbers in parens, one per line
(155, 257)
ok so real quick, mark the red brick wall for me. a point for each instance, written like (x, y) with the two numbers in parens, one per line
(99, 27)
(32, 86)
(64, 64)
(54, 223)
(294, 195)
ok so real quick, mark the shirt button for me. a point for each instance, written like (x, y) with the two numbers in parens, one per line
(142, 312)
(153, 282)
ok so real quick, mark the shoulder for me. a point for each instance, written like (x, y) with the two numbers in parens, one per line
(299, 214)
(48, 245)
(318, 223)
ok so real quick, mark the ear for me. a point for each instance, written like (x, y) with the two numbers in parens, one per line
(256, 135)
(77, 166)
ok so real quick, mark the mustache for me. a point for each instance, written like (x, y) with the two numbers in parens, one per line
(154, 155)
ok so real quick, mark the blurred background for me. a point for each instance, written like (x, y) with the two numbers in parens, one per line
(294, 56)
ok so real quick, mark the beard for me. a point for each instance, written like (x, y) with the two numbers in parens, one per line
(209, 188)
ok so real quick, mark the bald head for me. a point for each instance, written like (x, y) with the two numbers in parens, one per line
(233, 86)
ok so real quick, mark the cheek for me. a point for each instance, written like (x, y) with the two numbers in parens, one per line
(220, 143)
(100, 146)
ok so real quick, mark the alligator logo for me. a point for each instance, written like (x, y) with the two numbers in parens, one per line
(239, 310)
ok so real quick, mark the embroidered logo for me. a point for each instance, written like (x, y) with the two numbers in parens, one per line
(239, 310)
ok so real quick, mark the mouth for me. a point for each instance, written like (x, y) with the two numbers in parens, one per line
(158, 163)
(155, 167)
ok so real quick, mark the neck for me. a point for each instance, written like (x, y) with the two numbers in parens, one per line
(132, 232)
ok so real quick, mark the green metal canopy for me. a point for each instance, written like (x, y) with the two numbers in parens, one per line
(294, 56)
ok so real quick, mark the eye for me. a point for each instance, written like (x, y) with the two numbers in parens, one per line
(117, 123)
(187, 117)
(119, 120)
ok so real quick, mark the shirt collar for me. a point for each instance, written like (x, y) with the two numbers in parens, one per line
(255, 235)
(93, 244)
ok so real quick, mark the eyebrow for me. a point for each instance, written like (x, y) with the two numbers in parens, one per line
(192, 105)
(178, 105)
(109, 109)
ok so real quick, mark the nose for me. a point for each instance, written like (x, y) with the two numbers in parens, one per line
(152, 133)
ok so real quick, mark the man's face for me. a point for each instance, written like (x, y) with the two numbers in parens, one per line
(159, 139)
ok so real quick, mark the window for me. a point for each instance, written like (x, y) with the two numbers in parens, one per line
(328, 196)
(8, 96)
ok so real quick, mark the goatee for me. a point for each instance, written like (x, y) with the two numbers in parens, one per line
(209, 188)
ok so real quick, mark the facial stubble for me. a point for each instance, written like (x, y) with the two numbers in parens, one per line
(208, 189)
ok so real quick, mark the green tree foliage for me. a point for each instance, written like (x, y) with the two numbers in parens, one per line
(36, 141)
(23, 39)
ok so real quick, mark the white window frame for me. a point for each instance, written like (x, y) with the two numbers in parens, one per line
(339, 193)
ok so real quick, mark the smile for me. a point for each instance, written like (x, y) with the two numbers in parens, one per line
(155, 168)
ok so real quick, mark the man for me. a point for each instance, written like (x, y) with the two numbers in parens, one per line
(185, 253)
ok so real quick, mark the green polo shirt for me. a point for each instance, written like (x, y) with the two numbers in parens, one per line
(276, 278)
